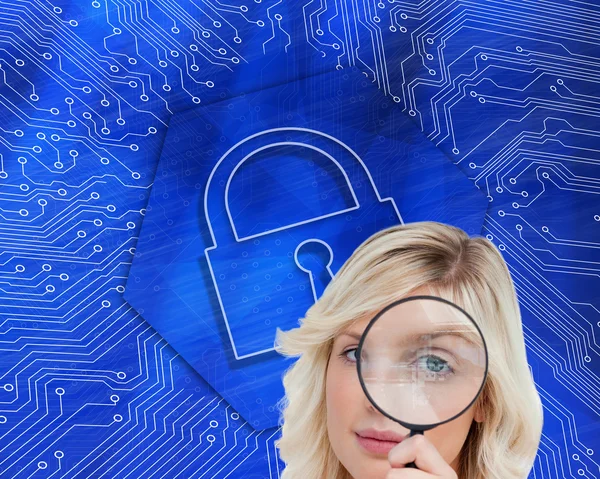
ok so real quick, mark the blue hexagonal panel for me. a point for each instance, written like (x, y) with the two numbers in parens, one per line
(257, 202)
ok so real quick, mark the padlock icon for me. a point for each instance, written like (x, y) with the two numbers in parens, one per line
(258, 280)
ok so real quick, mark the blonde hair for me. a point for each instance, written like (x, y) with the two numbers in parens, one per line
(471, 273)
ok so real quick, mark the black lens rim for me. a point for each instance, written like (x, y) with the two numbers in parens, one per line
(418, 427)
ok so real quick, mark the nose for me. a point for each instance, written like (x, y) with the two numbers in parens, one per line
(369, 405)
(384, 422)
(412, 406)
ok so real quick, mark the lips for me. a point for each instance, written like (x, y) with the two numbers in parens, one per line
(378, 442)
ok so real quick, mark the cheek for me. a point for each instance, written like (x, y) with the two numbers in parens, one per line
(343, 409)
(449, 438)
(339, 397)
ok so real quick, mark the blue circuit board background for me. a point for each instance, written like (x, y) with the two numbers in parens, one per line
(509, 91)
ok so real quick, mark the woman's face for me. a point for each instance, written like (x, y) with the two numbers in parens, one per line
(349, 413)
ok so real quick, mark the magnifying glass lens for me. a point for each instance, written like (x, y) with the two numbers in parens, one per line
(422, 362)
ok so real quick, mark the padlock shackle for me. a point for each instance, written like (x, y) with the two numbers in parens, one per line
(216, 207)
(275, 145)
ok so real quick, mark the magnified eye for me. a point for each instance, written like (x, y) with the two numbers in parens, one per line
(434, 364)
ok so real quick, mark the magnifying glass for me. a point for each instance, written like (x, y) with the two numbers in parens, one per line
(422, 361)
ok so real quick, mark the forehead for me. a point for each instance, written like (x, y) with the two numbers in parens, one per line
(356, 327)
(411, 318)
(359, 324)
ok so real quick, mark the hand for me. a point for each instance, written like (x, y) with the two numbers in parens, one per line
(418, 449)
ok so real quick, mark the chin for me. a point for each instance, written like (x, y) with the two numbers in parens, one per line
(367, 472)
(362, 465)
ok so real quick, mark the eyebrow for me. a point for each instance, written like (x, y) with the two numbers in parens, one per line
(467, 336)
(351, 334)
(471, 337)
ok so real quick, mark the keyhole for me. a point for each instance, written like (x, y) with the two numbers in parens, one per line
(314, 257)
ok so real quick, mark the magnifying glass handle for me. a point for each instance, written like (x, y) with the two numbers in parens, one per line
(411, 465)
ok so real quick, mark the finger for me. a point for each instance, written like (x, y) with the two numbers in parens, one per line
(422, 452)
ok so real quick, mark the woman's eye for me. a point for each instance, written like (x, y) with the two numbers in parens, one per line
(434, 364)
(349, 355)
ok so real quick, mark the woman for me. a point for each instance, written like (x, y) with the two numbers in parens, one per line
(327, 421)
